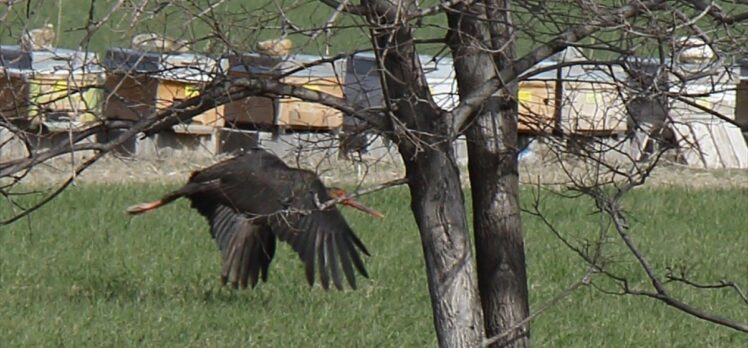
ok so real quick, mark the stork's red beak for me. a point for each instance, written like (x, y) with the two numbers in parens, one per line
(357, 205)
(338, 192)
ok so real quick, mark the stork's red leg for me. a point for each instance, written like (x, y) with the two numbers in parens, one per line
(145, 207)
(186, 190)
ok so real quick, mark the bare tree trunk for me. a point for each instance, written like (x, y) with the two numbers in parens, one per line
(492, 150)
(502, 277)
(421, 131)
(438, 205)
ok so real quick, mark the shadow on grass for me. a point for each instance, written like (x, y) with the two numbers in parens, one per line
(126, 289)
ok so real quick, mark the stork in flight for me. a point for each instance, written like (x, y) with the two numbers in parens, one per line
(252, 199)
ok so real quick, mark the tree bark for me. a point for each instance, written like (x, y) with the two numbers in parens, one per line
(481, 48)
(438, 205)
(502, 277)
(421, 131)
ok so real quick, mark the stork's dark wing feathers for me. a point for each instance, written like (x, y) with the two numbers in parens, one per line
(324, 240)
(285, 201)
(247, 248)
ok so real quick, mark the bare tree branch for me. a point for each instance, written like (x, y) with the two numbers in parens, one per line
(681, 278)
(468, 105)
(717, 13)
(685, 100)
(661, 293)
(347, 8)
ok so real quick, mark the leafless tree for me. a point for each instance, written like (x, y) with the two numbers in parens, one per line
(496, 46)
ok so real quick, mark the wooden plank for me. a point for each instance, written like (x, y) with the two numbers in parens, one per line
(741, 103)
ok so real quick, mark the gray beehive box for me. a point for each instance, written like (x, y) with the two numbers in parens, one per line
(175, 66)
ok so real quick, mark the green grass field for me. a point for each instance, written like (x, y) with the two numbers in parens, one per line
(81, 273)
(241, 23)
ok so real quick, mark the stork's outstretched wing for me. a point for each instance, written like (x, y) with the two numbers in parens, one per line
(247, 248)
(252, 199)
(287, 202)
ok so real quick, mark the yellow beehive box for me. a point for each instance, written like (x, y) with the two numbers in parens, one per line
(60, 89)
(537, 100)
(297, 114)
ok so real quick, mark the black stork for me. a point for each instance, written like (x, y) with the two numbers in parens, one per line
(252, 199)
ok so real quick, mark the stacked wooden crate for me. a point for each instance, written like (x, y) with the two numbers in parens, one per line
(587, 101)
(140, 84)
(286, 113)
(567, 95)
(57, 89)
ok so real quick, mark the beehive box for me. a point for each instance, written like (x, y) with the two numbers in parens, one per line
(706, 88)
(59, 89)
(537, 106)
(298, 114)
(141, 83)
(363, 89)
(440, 76)
(588, 101)
(326, 77)
(691, 94)
(286, 112)
(712, 88)
(592, 102)
(363, 85)
(251, 112)
(648, 107)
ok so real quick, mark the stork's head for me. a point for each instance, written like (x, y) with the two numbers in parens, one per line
(337, 192)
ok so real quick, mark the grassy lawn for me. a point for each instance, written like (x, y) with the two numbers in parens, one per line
(79, 272)
(242, 23)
